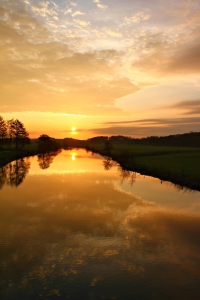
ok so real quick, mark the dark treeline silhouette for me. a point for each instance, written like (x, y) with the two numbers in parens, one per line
(99, 139)
(13, 132)
(48, 148)
(191, 139)
(70, 143)
(47, 144)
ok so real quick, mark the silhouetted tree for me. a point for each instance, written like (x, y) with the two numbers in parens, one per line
(3, 131)
(10, 131)
(47, 144)
(19, 134)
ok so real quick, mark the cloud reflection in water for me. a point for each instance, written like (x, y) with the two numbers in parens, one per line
(77, 236)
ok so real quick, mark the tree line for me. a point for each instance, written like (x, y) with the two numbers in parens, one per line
(189, 139)
(13, 132)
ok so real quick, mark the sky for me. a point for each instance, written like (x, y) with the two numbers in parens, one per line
(104, 67)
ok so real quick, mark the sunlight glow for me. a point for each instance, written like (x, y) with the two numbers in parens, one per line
(73, 157)
(92, 79)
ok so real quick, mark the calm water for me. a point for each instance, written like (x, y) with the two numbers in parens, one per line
(76, 226)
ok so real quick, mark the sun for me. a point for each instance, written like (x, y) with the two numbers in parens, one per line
(73, 129)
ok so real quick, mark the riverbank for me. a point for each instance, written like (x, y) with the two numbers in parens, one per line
(8, 155)
(180, 165)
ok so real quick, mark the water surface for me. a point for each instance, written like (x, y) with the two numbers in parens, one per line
(70, 229)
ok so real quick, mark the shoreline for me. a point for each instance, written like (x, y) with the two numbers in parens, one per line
(14, 155)
(177, 178)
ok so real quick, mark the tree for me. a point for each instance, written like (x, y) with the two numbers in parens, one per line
(3, 131)
(48, 149)
(10, 131)
(108, 146)
(46, 144)
(19, 134)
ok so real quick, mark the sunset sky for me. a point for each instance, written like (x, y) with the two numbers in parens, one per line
(104, 67)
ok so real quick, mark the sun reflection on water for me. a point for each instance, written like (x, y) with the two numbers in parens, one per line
(73, 156)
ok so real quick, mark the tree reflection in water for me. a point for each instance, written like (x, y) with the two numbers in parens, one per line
(108, 163)
(123, 173)
(14, 173)
(45, 159)
(131, 175)
(126, 174)
(3, 176)
(17, 171)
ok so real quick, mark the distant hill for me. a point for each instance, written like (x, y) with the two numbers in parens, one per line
(191, 139)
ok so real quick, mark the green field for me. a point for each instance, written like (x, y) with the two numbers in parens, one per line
(141, 150)
(180, 165)
(186, 163)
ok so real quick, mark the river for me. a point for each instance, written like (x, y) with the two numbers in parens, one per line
(76, 226)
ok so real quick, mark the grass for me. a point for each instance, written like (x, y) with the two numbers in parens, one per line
(186, 163)
(142, 150)
(179, 165)
(8, 155)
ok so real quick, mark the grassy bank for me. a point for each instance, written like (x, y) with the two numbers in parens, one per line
(179, 165)
(35, 147)
(7, 155)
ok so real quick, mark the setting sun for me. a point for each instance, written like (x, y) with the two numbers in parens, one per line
(73, 128)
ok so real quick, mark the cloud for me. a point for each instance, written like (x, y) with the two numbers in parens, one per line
(82, 23)
(67, 11)
(170, 49)
(114, 33)
(192, 107)
(77, 13)
(65, 56)
(73, 3)
(148, 127)
(40, 73)
(40, 8)
(186, 60)
(137, 18)
(101, 6)
(157, 121)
